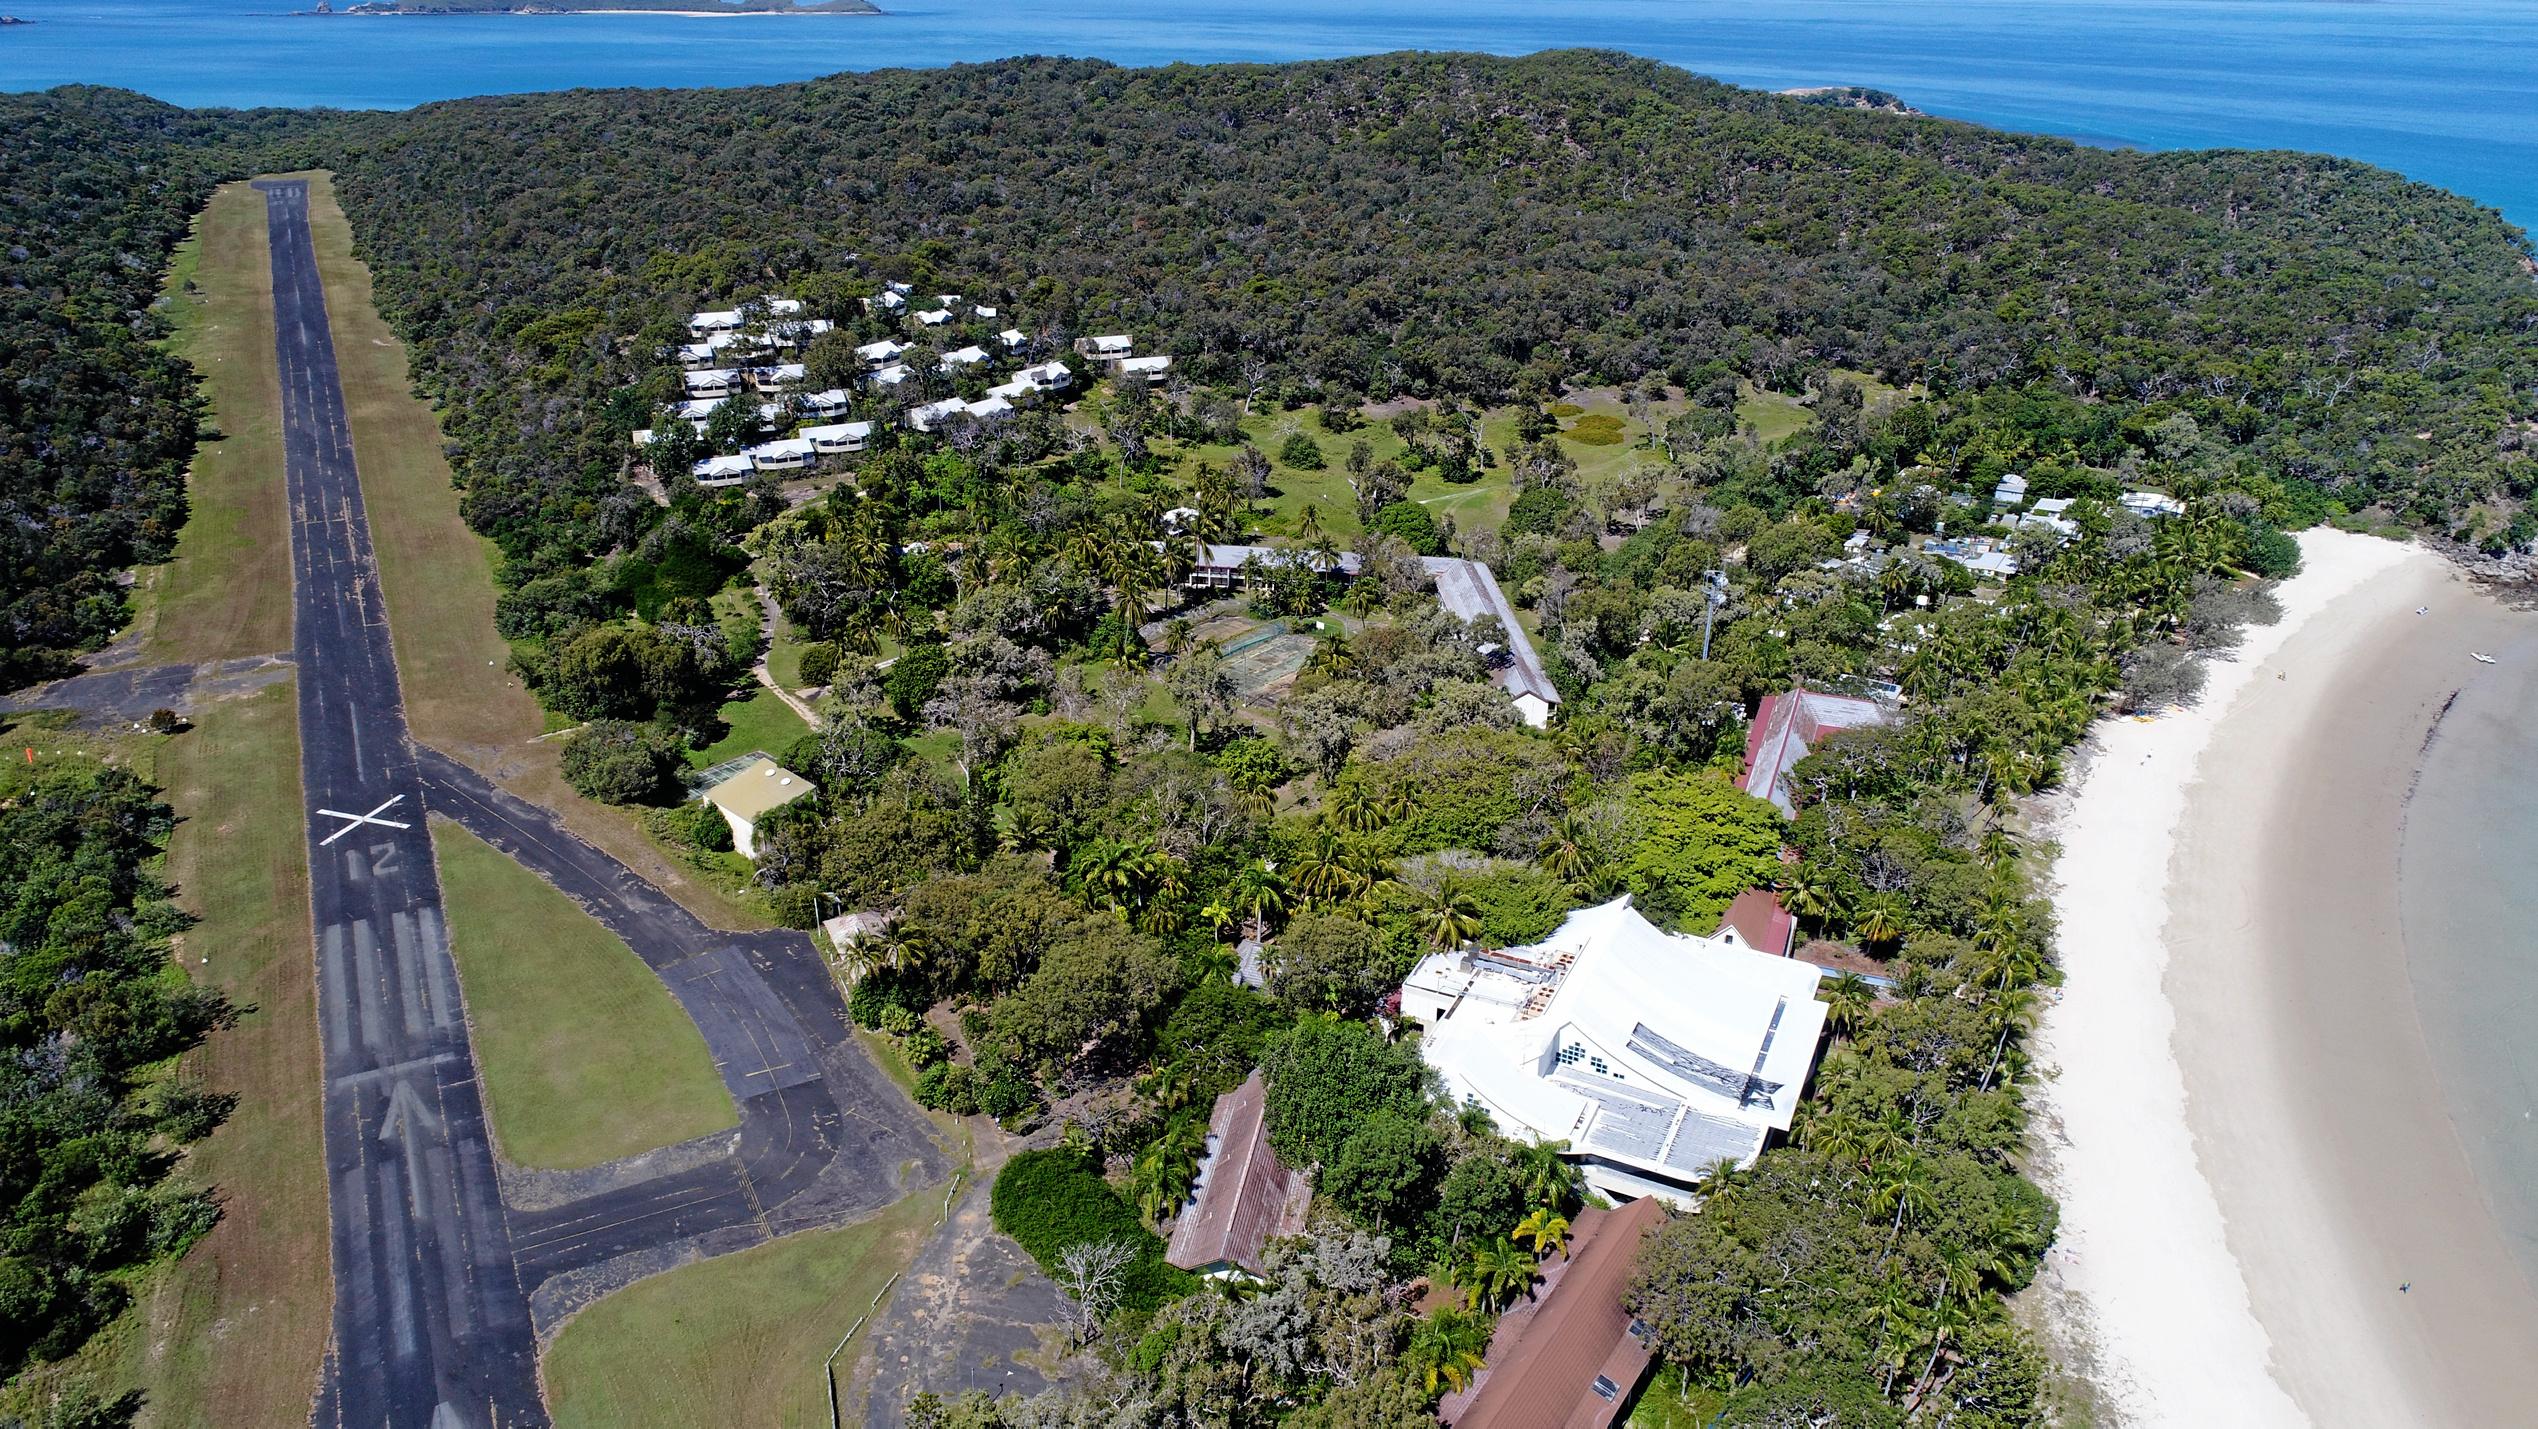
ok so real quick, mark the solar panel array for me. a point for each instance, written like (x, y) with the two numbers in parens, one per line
(1741, 1087)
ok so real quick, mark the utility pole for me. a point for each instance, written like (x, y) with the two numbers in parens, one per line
(1714, 595)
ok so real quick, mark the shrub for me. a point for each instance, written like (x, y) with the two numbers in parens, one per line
(2272, 553)
(1052, 1201)
(819, 663)
(1302, 453)
(913, 679)
(948, 1087)
(619, 762)
(707, 827)
(1537, 512)
(1599, 429)
(1411, 522)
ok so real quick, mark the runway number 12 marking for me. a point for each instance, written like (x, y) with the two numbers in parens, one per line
(354, 821)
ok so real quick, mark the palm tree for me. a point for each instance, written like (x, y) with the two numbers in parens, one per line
(1322, 870)
(1546, 1229)
(1260, 894)
(1546, 1175)
(1445, 1349)
(1356, 808)
(1166, 1170)
(1563, 852)
(1879, 926)
(1847, 1000)
(1448, 916)
(1903, 1185)
(1363, 599)
(1331, 656)
(1810, 895)
(1718, 1178)
(1837, 1134)
(1500, 1272)
(1308, 524)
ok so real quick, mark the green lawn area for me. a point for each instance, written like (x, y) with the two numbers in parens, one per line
(1669, 1403)
(735, 1340)
(1772, 415)
(763, 721)
(585, 1055)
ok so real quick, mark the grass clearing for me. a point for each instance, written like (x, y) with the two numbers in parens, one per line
(1772, 415)
(438, 578)
(736, 1340)
(763, 722)
(585, 1055)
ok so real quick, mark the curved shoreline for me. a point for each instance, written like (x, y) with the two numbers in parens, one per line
(2240, 1212)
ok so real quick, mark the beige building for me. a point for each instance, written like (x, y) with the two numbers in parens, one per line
(757, 789)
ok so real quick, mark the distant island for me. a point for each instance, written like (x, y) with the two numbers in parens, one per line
(569, 7)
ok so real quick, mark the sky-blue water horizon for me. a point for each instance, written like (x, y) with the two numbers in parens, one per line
(2440, 90)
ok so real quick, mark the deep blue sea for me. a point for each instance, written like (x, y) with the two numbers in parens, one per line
(2443, 90)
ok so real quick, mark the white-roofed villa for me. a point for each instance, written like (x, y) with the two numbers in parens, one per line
(1654, 1056)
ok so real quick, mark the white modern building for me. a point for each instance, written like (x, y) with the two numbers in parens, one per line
(1152, 369)
(712, 382)
(1654, 1056)
(964, 357)
(878, 353)
(723, 470)
(2151, 504)
(789, 454)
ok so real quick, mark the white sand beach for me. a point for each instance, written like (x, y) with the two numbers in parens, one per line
(2243, 1129)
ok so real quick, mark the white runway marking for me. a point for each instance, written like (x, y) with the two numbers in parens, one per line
(354, 821)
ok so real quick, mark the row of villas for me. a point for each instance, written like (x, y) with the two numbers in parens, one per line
(711, 379)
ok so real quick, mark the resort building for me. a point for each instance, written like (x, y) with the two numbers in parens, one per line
(789, 454)
(1244, 1196)
(841, 439)
(1152, 369)
(782, 377)
(1226, 567)
(754, 790)
(722, 470)
(1570, 1357)
(881, 353)
(1788, 727)
(825, 404)
(963, 357)
(1014, 339)
(2012, 491)
(1046, 377)
(892, 375)
(933, 414)
(712, 382)
(1654, 1056)
(1107, 349)
(1469, 591)
(934, 319)
(2151, 505)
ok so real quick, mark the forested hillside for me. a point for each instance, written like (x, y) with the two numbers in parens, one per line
(96, 425)
(1413, 225)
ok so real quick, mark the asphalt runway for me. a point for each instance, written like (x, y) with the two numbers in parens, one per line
(436, 1279)
(431, 1324)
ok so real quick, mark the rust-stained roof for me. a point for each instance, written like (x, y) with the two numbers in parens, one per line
(1758, 918)
(1246, 1196)
(1546, 1378)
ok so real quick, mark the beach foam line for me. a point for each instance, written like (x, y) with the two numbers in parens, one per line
(2151, 1304)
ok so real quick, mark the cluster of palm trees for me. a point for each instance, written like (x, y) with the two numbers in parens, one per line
(1133, 878)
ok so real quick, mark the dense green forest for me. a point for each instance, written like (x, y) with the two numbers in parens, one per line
(1426, 225)
(96, 425)
(92, 1016)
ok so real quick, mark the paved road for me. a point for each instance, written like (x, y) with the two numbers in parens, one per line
(441, 1290)
(823, 1135)
(431, 1325)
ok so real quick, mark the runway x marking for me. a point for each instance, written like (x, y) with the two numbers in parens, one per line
(354, 821)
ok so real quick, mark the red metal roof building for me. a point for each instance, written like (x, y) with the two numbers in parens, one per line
(1757, 920)
(1787, 727)
(1571, 1361)
(1245, 1196)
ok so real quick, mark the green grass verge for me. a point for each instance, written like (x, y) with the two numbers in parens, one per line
(585, 1055)
(1772, 415)
(735, 1340)
(763, 721)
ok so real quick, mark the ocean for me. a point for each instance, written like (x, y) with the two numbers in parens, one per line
(2441, 90)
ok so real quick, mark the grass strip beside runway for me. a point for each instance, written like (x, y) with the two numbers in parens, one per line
(737, 1340)
(585, 1055)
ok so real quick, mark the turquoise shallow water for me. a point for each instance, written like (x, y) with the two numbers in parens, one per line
(2442, 90)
